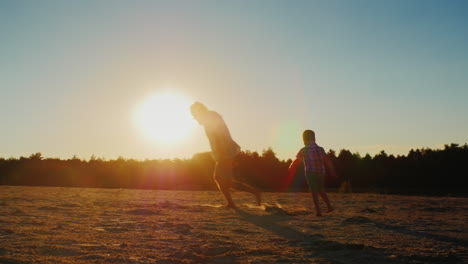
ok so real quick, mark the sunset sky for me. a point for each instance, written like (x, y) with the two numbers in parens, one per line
(365, 75)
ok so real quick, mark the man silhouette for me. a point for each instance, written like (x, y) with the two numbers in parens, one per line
(224, 150)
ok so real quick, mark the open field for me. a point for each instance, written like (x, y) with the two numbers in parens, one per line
(79, 225)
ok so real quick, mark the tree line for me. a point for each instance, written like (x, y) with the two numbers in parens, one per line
(422, 171)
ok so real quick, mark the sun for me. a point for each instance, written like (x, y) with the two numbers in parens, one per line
(165, 118)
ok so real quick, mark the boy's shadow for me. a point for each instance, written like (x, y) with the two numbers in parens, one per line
(316, 244)
(407, 231)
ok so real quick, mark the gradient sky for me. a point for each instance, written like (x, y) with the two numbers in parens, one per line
(365, 75)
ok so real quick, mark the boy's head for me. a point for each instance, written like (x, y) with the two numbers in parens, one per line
(308, 136)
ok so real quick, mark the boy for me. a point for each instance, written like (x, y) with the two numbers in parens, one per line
(315, 159)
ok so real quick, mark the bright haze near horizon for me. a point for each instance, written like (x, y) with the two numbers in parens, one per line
(365, 75)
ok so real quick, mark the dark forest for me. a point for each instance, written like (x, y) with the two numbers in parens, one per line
(420, 172)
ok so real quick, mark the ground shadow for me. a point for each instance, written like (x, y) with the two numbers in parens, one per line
(403, 230)
(316, 245)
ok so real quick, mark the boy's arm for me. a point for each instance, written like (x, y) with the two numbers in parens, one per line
(293, 168)
(329, 165)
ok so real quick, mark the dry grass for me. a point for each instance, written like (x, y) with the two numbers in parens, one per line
(73, 225)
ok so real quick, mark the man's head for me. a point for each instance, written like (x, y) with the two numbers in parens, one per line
(198, 111)
(308, 136)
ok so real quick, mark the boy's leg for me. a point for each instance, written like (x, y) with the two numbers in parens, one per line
(312, 180)
(315, 197)
(327, 201)
(322, 193)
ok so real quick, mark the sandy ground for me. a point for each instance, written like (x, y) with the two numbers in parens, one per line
(74, 225)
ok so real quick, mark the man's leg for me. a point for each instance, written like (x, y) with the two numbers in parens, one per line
(223, 178)
(247, 188)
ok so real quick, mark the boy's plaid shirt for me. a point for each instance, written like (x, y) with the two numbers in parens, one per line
(312, 156)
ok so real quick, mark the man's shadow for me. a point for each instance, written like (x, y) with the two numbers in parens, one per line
(271, 223)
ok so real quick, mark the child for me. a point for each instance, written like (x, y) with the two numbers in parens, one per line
(315, 159)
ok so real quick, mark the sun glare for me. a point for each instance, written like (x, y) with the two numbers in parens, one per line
(165, 118)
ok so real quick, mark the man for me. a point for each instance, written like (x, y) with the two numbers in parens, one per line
(224, 150)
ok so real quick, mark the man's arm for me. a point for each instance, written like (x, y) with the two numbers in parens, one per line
(329, 165)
